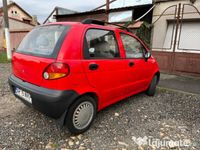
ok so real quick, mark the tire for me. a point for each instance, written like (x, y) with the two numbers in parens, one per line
(81, 114)
(152, 87)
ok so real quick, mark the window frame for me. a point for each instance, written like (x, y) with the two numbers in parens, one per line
(137, 39)
(86, 51)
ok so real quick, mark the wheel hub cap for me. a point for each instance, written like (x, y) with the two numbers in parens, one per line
(83, 115)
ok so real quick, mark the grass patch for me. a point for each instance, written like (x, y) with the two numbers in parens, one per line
(3, 57)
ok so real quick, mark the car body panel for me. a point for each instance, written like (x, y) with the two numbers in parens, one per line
(29, 68)
(113, 81)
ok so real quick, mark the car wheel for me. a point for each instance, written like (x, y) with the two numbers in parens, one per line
(81, 114)
(152, 87)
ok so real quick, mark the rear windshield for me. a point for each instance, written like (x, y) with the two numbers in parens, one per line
(43, 41)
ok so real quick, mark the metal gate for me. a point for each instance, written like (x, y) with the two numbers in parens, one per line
(172, 48)
(16, 37)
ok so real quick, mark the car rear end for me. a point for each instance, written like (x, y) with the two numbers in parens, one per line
(35, 63)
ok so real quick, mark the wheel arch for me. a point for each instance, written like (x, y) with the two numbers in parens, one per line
(91, 94)
(158, 76)
(61, 120)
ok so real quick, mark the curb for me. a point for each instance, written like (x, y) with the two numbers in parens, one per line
(178, 91)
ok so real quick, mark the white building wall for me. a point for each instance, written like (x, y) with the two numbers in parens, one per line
(161, 27)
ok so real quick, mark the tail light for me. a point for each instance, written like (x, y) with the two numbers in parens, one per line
(55, 71)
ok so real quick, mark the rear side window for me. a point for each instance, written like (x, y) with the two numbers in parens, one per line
(100, 44)
(44, 41)
(133, 48)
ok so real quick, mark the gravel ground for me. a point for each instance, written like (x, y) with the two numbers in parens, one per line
(139, 122)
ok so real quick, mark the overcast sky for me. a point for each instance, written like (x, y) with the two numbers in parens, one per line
(42, 8)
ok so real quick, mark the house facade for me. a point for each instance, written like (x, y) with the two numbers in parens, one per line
(114, 15)
(175, 26)
(20, 23)
(120, 15)
(176, 36)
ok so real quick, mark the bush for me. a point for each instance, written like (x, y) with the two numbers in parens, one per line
(144, 32)
(3, 57)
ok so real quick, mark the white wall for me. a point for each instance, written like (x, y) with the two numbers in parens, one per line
(160, 28)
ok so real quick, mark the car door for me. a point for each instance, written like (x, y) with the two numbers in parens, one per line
(141, 69)
(105, 69)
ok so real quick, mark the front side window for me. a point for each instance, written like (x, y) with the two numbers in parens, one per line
(133, 48)
(43, 41)
(100, 44)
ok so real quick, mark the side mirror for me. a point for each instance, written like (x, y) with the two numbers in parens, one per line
(147, 55)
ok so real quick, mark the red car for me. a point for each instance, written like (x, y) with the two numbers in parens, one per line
(69, 70)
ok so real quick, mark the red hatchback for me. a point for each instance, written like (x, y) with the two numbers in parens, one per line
(70, 71)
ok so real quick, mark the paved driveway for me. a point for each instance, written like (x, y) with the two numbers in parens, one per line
(139, 122)
(183, 83)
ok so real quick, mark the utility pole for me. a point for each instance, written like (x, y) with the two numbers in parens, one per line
(107, 5)
(6, 29)
(107, 9)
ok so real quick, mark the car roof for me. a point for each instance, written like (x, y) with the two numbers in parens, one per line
(108, 27)
(64, 23)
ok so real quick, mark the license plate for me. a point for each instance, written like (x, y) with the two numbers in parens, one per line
(26, 96)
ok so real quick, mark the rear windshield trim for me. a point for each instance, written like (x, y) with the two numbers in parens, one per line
(57, 46)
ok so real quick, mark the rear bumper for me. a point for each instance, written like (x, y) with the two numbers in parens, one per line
(50, 102)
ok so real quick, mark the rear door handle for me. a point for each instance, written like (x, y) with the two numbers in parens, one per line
(131, 64)
(93, 66)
